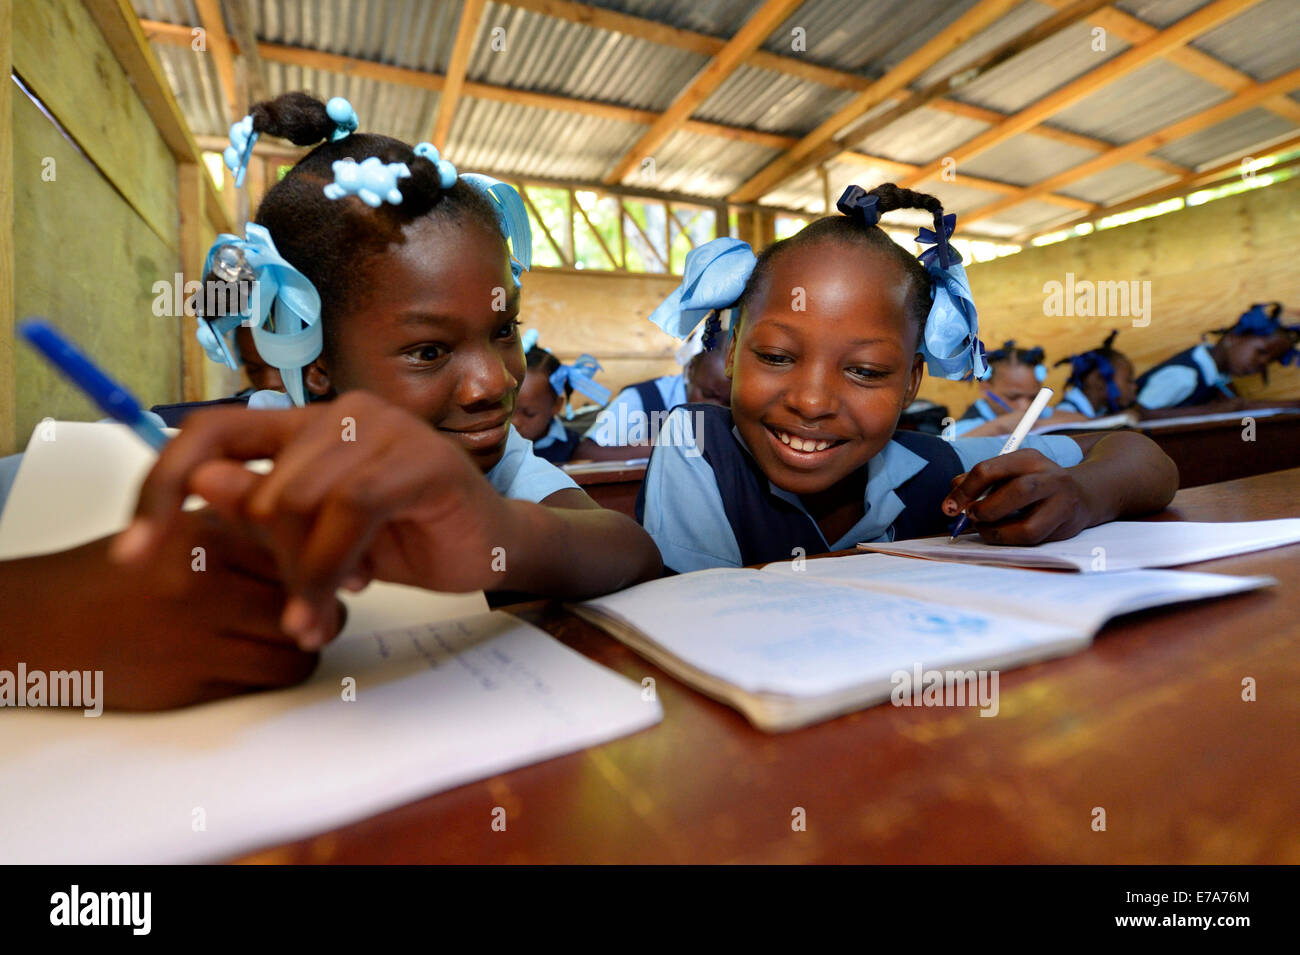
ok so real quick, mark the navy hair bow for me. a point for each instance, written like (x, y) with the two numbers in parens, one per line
(1084, 363)
(940, 250)
(857, 203)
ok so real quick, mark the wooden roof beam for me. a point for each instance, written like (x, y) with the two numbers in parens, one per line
(471, 14)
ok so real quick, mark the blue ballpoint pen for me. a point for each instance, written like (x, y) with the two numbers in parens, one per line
(115, 400)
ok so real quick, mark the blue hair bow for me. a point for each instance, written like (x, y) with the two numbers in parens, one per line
(371, 180)
(512, 217)
(240, 150)
(292, 339)
(1084, 363)
(580, 377)
(714, 278)
(940, 249)
(951, 343)
(857, 203)
(529, 339)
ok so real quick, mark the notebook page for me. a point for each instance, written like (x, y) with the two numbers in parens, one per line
(1119, 545)
(771, 633)
(436, 706)
(1085, 601)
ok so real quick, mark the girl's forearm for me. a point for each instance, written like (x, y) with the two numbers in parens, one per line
(1127, 475)
(573, 552)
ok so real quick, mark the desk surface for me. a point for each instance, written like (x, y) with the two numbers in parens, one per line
(1148, 723)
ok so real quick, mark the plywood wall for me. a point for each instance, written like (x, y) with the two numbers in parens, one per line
(1206, 264)
(95, 217)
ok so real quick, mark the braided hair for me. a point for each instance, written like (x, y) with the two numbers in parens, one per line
(853, 230)
(330, 241)
(540, 360)
(1102, 360)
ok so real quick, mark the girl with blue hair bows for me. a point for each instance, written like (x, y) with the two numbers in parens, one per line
(712, 280)
(1100, 383)
(836, 327)
(387, 292)
(1203, 374)
(1015, 376)
(547, 392)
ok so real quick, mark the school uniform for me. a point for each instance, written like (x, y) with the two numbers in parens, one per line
(1191, 377)
(634, 406)
(1075, 400)
(706, 502)
(981, 411)
(558, 444)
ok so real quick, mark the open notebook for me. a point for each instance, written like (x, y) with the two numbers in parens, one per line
(445, 693)
(789, 647)
(1119, 545)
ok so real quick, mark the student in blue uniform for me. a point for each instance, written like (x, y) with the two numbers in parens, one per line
(396, 305)
(1016, 376)
(1100, 383)
(808, 459)
(712, 280)
(1203, 373)
(546, 392)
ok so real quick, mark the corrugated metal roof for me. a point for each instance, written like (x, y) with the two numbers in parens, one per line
(1118, 183)
(1031, 75)
(1032, 216)
(1025, 159)
(551, 55)
(1148, 99)
(1252, 129)
(921, 136)
(773, 102)
(1256, 42)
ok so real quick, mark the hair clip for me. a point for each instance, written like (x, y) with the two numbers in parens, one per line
(371, 180)
(292, 339)
(344, 116)
(857, 203)
(714, 277)
(240, 150)
(446, 171)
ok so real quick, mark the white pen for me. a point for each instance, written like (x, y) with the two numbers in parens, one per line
(1013, 444)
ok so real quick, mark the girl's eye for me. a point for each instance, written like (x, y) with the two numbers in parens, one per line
(508, 331)
(427, 353)
(868, 374)
(773, 358)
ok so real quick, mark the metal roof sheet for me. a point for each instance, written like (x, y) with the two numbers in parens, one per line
(1118, 183)
(1150, 98)
(1025, 159)
(1247, 132)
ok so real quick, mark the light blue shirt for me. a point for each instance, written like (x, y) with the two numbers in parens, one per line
(684, 512)
(555, 432)
(524, 476)
(1075, 400)
(625, 415)
(1171, 386)
(986, 414)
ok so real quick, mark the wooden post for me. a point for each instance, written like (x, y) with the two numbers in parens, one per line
(622, 234)
(189, 195)
(8, 386)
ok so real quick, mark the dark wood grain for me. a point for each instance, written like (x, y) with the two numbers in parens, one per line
(616, 490)
(1148, 723)
(1210, 453)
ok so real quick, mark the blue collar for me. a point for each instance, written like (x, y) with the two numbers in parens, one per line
(1075, 397)
(554, 433)
(1209, 369)
(889, 469)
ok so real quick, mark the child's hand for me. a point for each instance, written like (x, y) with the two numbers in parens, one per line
(360, 489)
(1032, 499)
(198, 621)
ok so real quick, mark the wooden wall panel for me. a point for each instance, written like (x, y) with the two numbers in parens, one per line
(8, 393)
(1206, 264)
(88, 262)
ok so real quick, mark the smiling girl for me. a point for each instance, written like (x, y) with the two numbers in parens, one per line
(836, 325)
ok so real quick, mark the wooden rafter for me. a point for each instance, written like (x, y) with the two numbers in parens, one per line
(1132, 30)
(724, 63)
(1247, 99)
(243, 35)
(471, 13)
(217, 41)
(1184, 31)
(896, 79)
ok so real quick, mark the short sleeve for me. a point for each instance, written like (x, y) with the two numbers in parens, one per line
(1168, 387)
(604, 430)
(523, 476)
(1064, 451)
(683, 507)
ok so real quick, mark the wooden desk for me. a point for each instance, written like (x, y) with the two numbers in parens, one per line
(1210, 453)
(1148, 723)
(616, 490)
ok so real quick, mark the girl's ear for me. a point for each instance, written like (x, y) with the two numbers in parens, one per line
(729, 361)
(914, 379)
(558, 407)
(317, 379)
